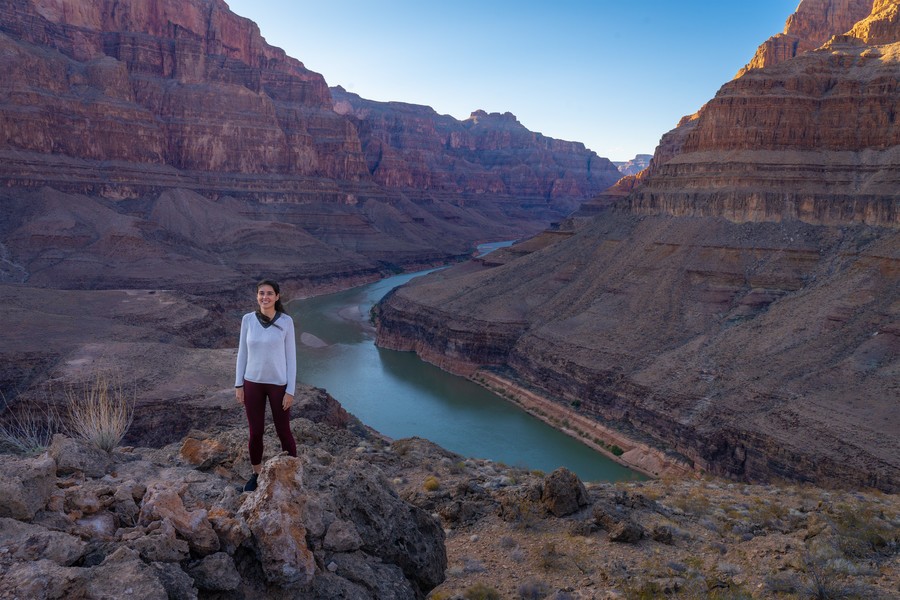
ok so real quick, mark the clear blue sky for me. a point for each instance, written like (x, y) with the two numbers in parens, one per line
(614, 75)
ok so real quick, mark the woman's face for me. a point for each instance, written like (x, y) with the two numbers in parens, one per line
(266, 297)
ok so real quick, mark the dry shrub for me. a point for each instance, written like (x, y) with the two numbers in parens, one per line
(101, 413)
(28, 432)
(432, 483)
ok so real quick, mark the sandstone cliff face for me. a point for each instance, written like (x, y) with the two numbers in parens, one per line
(754, 350)
(412, 146)
(116, 108)
(823, 123)
(811, 26)
(736, 304)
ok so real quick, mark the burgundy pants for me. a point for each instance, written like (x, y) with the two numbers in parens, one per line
(255, 395)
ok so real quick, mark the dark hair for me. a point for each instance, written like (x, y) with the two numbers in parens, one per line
(274, 285)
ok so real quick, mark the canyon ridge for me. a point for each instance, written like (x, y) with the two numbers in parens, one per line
(733, 309)
(166, 146)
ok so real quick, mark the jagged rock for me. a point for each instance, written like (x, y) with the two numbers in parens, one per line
(379, 580)
(563, 493)
(342, 537)
(101, 525)
(662, 534)
(26, 485)
(122, 574)
(391, 529)
(158, 542)
(124, 506)
(178, 584)
(813, 23)
(203, 454)
(522, 503)
(626, 532)
(24, 542)
(77, 456)
(216, 573)
(274, 515)
(232, 532)
(379, 546)
(615, 519)
(162, 502)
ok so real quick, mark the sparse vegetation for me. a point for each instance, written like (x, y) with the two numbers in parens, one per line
(533, 590)
(28, 432)
(432, 483)
(480, 591)
(101, 413)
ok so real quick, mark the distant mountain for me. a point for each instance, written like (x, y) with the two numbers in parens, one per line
(635, 165)
(735, 307)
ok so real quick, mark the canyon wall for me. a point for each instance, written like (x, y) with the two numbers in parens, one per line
(122, 121)
(734, 305)
(811, 26)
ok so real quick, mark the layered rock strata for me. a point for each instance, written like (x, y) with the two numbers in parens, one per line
(736, 304)
(412, 146)
(811, 26)
(129, 105)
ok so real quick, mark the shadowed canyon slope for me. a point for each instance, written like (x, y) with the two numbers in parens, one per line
(166, 144)
(737, 304)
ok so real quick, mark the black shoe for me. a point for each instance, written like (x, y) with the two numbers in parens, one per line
(251, 483)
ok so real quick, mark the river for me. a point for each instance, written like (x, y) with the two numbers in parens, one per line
(400, 395)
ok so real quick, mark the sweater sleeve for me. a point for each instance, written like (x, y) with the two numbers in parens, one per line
(241, 366)
(290, 354)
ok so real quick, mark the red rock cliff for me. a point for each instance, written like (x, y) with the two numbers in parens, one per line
(737, 303)
(814, 138)
(123, 101)
(811, 26)
(412, 146)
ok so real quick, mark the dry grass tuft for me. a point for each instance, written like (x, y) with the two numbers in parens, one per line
(28, 432)
(102, 413)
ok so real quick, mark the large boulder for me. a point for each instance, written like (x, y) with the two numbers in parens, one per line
(563, 493)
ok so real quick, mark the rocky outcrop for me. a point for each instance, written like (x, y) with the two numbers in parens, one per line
(322, 525)
(374, 530)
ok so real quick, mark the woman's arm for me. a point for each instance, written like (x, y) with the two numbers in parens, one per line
(290, 355)
(241, 365)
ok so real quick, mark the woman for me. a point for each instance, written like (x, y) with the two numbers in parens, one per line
(267, 369)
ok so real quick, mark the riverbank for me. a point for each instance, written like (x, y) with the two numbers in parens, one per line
(614, 444)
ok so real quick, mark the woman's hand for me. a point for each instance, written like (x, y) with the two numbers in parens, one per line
(239, 394)
(287, 402)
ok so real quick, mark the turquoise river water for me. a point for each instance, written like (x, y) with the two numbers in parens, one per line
(402, 396)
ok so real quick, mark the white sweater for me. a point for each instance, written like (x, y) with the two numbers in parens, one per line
(267, 354)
